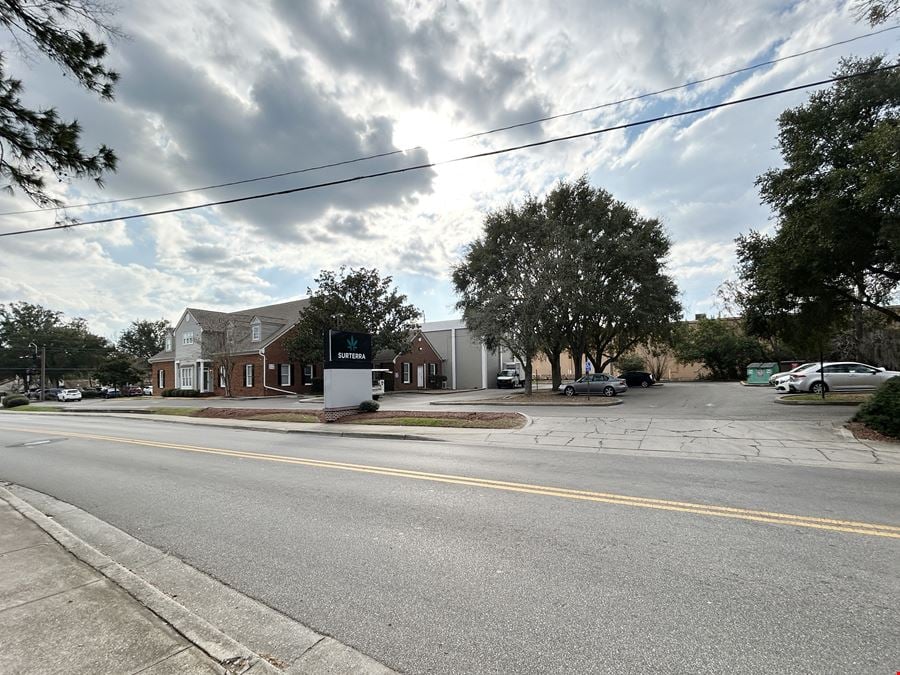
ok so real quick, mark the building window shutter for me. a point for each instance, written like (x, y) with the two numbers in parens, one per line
(291, 374)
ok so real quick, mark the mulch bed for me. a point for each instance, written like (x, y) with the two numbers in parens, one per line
(244, 413)
(864, 433)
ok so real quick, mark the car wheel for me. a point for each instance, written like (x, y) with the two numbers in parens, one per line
(644, 384)
(609, 391)
(569, 391)
(818, 387)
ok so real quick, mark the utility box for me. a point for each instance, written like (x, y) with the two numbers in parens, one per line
(759, 373)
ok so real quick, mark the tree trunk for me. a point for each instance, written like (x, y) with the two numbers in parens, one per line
(528, 375)
(553, 356)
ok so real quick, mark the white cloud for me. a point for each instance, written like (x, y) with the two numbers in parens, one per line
(214, 92)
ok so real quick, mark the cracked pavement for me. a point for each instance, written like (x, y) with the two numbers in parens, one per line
(795, 442)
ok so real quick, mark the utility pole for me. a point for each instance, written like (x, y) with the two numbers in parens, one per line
(43, 371)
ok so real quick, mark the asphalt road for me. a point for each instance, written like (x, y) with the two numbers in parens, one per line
(431, 574)
(682, 400)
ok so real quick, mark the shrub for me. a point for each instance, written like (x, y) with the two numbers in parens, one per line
(369, 406)
(882, 411)
(14, 400)
(630, 362)
(184, 393)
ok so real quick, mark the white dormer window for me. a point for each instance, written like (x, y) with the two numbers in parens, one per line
(255, 332)
(168, 344)
(187, 338)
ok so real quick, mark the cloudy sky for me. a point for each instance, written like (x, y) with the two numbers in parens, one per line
(213, 93)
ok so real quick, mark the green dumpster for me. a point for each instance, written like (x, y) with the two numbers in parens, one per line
(759, 373)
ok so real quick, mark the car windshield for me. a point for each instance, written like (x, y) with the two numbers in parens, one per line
(507, 373)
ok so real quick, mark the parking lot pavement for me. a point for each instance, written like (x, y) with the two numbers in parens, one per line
(676, 400)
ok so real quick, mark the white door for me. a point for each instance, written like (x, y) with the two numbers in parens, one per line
(420, 377)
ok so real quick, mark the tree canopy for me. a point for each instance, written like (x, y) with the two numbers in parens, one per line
(70, 347)
(836, 244)
(577, 270)
(354, 300)
(36, 143)
(721, 346)
(144, 338)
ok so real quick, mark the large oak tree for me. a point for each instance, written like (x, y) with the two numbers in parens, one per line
(836, 246)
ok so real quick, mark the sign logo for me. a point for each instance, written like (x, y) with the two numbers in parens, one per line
(348, 348)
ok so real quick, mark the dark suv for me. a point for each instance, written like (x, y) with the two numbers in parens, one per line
(636, 378)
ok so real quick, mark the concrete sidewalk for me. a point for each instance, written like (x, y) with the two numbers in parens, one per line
(78, 595)
(58, 615)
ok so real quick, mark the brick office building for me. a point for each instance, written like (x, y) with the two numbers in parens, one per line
(207, 348)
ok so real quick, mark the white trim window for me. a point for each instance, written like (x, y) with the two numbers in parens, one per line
(168, 343)
(432, 369)
(161, 378)
(284, 372)
(407, 372)
(186, 374)
(221, 377)
(255, 332)
(248, 375)
(187, 338)
(308, 374)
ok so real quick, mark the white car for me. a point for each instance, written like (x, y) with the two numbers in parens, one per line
(148, 391)
(68, 395)
(838, 376)
(778, 378)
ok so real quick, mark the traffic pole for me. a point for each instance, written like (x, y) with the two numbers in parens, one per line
(43, 371)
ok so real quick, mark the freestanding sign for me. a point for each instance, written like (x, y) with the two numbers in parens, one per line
(348, 372)
(348, 350)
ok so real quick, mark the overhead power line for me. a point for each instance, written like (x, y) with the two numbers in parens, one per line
(428, 165)
(471, 136)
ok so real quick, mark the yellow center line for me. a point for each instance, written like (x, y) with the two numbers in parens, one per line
(831, 524)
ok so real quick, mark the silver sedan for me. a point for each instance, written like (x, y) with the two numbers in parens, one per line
(599, 384)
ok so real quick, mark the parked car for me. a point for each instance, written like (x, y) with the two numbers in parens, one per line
(636, 378)
(111, 393)
(134, 391)
(49, 394)
(776, 378)
(68, 395)
(838, 376)
(600, 384)
(148, 391)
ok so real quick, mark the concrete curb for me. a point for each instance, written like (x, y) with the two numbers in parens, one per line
(611, 402)
(784, 401)
(319, 653)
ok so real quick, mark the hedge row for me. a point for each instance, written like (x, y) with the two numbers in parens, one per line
(186, 393)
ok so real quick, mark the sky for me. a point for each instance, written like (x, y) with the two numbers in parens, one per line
(213, 92)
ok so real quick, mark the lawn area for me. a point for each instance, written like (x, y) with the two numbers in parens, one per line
(34, 407)
(830, 397)
(183, 412)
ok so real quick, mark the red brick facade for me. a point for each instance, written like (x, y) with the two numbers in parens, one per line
(266, 375)
(419, 364)
(168, 376)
